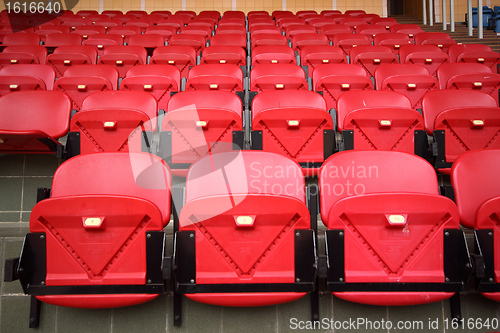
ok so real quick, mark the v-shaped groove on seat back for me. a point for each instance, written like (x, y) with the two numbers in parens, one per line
(231, 260)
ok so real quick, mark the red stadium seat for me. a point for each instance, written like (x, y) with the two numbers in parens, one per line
(85, 13)
(182, 56)
(387, 22)
(46, 30)
(352, 22)
(379, 197)
(197, 42)
(123, 57)
(318, 23)
(223, 54)
(148, 41)
(335, 79)
(231, 27)
(347, 41)
(154, 17)
(368, 17)
(411, 80)
(26, 77)
(205, 31)
(158, 80)
(126, 31)
(460, 121)
(475, 53)
(360, 99)
(111, 13)
(21, 39)
(8, 29)
(198, 124)
(109, 23)
(259, 39)
(233, 23)
(311, 17)
(210, 77)
(440, 39)
(301, 40)
(392, 40)
(434, 102)
(60, 39)
(235, 14)
(264, 28)
(96, 17)
(295, 124)
(429, 56)
(446, 72)
(39, 19)
(70, 55)
(13, 58)
(243, 278)
(77, 21)
(369, 30)
(86, 30)
(260, 24)
(371, 57)
(476, 185)
(80, 81)
(190, 13)
(328, 13)
(137, 13)
(171, 21)
(115, 120)
(338, 17)
(409, 29)
(283, 22)
(67, 15)
(23, 54)
(164, 31)
(258, 13)
(164, 13)
(126, 269)
(456, 50)
(277, 77)
(29, 129)
(330, 30)
(229, 40)
(314, 55)
(203, 22)
(354, 12)
(295, 29)
(302, 13)
(469, 76)
(185, 18)
(102, 41)
(380, 120)
(125, 17)
(270, 54)
(212, 14)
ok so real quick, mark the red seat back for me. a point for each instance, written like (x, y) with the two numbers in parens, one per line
(266, 54)
(30, 117)
(158, 80)
(277, 77)
(211, 77)
(335, 79)
(411, 80)
(43, 72)
(436, 101)
(362, 99)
